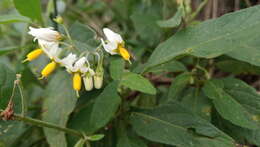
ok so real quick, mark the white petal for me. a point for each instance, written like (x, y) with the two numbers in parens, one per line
(109, 47)
(112, 36)
(80, 65)
(55, 52)
(68, 62)
(47, 34)
(50, 48)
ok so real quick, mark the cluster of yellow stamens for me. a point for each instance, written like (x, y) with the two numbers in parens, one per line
(123, 52)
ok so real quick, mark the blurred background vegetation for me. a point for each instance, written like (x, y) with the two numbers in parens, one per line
(139, 23)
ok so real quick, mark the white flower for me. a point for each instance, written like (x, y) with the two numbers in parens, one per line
(47, 34)
(115, 44)
(51, 49)
(68, 62)
(73, 65)
(80, 65)
(113, 40)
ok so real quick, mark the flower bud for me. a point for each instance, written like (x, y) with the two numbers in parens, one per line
(98, 79)
(88, 82)
(59, 20)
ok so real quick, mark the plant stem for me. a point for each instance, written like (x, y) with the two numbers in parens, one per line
(87, 143)
(248, 3)
(55, 14)
(194, 14)
(22, 99)
(67, 32)
(40, 123)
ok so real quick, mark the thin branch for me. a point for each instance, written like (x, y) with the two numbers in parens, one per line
(215, 9)
(55, 14)
(40, 123)
(248, 3)
(197, 11)
(237, 5)
(207, 12)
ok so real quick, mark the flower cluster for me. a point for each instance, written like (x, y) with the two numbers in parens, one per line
(50, 41)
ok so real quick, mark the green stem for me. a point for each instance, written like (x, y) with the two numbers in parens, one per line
(40, 123)
(24, 110)
(207, 75)
(88, 143)
(67, 33)
(47, 125)
(13, 91)
(193, 15)
(55, 14)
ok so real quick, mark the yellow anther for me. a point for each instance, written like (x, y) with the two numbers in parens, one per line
(33, 55)
(124, 53)
(48, 69)
(77, 81)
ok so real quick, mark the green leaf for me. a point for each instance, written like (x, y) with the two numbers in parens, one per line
(173, 22)
(81, 32)
(96, 137)
(170, 124)
(197, 102)
(89, 45)
(105, 106)
(81, 122)
(211, 38)
(125, 139)
(58, 104)
(7, 78)
(137, 82)
(213, 88)
(80, 143)
(6, 50)
(10, 132)
(145, 24)
(248, 51)
(145, 101)
(172, 66)
(178, 85)
(237, 67)
(248, 97)
(12, 18)
(116, 68)
(227, 106)
(243, 93)
(29, 8)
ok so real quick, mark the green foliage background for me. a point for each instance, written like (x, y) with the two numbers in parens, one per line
(193, 82)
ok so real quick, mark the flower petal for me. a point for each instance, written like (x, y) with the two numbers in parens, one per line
(50, 48)
(112, 36)
(68, 62)
(110, 47)
(47, 34)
